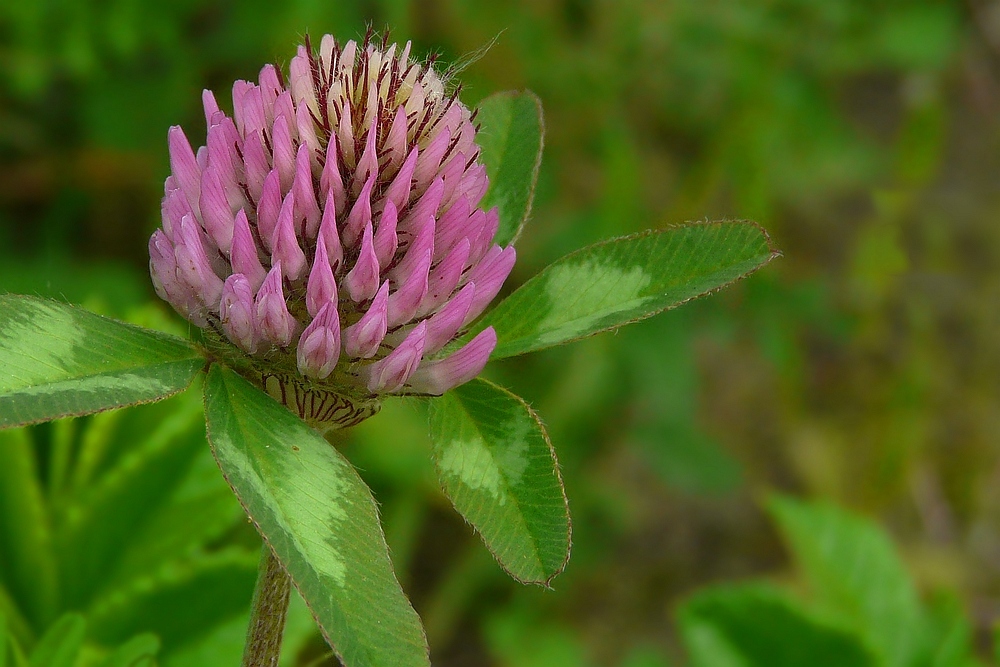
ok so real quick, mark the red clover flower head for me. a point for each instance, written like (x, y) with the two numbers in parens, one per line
(329, 237)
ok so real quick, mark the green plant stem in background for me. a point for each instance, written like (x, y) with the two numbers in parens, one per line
(267, 616)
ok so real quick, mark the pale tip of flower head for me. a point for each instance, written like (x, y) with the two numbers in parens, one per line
(390, 374)
(319, 346)
(438, 376)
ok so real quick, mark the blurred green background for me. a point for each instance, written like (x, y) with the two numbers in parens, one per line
(861, 368)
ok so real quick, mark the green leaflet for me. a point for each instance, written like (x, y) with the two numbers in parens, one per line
(497, 465)
(58, 360)
(60, 644)
(624, 280)
(855, 575)
(320, 519)
(755, 625)
(511, 137)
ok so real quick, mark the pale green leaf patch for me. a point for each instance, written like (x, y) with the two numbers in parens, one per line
(511, 136)
(319, 518)
(625, 280)
(57, 360)
(496, 464)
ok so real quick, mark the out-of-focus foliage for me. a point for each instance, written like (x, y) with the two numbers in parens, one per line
(862, 368)
(862, 609)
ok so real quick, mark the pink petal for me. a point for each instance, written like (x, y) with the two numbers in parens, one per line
(389, 374)
(360, 215)
(285, 248)
(276, 323)
(183, 165)
(362, 281)
(243, 254)
(447, 322)
(237, 312)
(321, 288)
(437, 377)
(362, 339)
(319, 346)
(403, 303)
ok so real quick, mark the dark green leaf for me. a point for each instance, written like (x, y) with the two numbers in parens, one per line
(58, 360)
(18, 629)
(757, 626)
(855, 574)
(27, 565)
(136, 652)
(320, 519)
(179, 529)
(103, 518)
(625, 280)
(496, 463)
(181, 602)
(3, 639)
(511, 139)
(60, 644)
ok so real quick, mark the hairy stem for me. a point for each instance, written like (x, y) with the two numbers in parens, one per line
(267, 618)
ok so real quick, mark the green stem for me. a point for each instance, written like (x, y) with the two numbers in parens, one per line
(267, 618)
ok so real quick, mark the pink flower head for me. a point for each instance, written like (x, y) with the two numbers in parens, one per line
(330, 230)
